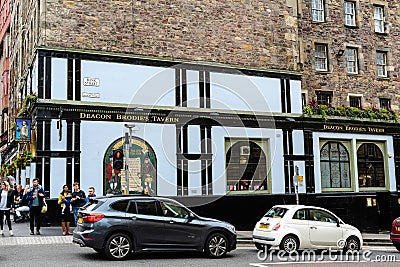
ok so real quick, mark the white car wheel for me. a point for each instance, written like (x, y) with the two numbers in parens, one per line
(289, 244)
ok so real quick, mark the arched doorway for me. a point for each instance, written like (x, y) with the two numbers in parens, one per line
(142, 168)
(371, 167)
(246, 167)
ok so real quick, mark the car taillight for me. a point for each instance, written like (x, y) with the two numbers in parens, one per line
(92, 218)
(276, 227)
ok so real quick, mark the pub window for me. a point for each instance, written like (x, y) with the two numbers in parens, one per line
(317, 10)
(351, 60)
(350, 13)
(379, 25)
(384, 103)
(355, 101)
(246, 167)
(321, 57)
(370, 164)
(335, 166)
(324, 97)
(381, 63)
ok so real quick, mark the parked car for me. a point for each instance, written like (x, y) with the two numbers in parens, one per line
(117, 226)
(294, 227)
(395, 233)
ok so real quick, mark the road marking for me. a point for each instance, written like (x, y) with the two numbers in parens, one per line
(40, 240)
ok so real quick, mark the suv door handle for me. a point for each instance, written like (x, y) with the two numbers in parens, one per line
(171, 221)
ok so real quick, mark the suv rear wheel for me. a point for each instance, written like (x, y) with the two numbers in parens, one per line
(216, 245)
(118, 247)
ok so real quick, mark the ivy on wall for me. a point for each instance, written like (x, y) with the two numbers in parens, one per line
(350, 112)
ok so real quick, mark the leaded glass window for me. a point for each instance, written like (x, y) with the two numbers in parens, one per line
(335, 166)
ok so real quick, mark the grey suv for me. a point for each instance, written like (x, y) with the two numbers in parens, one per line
(120, 225)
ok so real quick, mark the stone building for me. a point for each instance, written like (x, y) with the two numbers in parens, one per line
(215, 89)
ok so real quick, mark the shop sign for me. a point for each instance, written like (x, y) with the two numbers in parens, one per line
(126, 117)
(91, 81)
(23, 129)
(349, 128)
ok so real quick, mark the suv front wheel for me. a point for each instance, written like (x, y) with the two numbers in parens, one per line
(118, 247)
(216, 245)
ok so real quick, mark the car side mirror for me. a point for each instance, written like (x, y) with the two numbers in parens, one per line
(338, 223)
(191, 217)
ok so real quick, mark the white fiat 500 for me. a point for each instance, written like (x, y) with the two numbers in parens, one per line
(293, 227)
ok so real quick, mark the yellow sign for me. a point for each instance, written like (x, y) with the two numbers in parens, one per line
(300, 178)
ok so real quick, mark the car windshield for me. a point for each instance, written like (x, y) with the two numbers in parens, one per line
(276, 212)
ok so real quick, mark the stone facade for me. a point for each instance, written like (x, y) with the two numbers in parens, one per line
(337, 36)
(267, 35)
(247, 33)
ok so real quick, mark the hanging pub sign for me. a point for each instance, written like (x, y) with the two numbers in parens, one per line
(23, 129)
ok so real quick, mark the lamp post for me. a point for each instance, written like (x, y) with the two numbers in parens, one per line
(127, 151)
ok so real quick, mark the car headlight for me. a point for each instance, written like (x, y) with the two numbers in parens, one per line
(232, 228)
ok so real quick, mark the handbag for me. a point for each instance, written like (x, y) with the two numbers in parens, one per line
(44, 208)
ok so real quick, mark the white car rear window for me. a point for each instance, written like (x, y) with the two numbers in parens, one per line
(276, 212)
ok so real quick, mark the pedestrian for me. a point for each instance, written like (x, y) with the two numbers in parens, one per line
(6, 204)
(35, 197)
(91, 195)
(23, 208)
(78, 200)
(64, 199)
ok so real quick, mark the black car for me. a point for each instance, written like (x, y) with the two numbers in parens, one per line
(120, 225)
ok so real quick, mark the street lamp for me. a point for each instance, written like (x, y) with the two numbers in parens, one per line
(127, 151)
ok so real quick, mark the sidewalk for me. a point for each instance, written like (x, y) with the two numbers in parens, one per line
(49, 235)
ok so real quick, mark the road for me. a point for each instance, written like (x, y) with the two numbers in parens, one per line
(73, 255)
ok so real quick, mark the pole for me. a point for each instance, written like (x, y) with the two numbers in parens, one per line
(127, 148)
(296, 184)
(128, 140)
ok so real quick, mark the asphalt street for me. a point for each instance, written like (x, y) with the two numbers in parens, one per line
(73, 255)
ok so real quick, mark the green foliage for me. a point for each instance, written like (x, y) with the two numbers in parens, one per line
(28, 100)
(350, 112)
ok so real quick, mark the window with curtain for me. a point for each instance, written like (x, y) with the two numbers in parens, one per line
(379, 19)
(370, 164)
(381, 63)
(350, 13)
(321, 57)
(317, 10)
(351, 60)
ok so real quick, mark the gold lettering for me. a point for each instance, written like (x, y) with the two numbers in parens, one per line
(333, 127)
(376, 130)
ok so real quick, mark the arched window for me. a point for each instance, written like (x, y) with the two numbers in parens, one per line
(371, 169)
(246, 167)
(335, 166)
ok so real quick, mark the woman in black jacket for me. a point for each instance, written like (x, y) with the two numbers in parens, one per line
(6, 204)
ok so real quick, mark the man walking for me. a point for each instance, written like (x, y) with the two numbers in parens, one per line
(35, 197)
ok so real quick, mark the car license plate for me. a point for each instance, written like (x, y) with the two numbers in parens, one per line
(80, 220)
(398, 228)
(264, 226)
